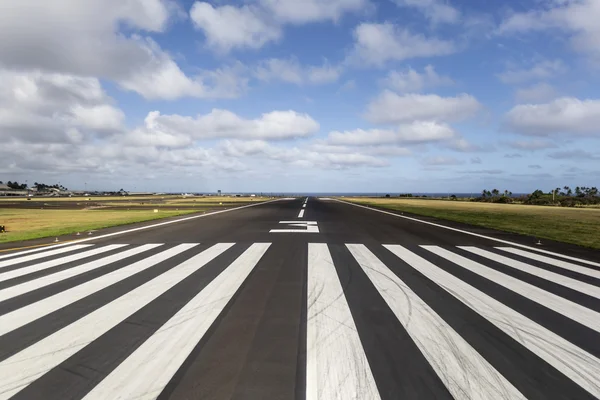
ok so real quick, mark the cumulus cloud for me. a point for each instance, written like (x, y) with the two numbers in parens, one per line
(291, 71)
(541, 70)
(220, 124)
(437, 11)
(252, 26)
(376, 44)
(86, 39)
(391, 108)
(410, 80)
(567, 115)
(578, 18)
(227, 27)
(58, 124)
(323, 157)
(46, 108)
(417, 132)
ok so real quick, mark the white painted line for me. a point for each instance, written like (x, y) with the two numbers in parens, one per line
(336, 363)
(21, 253)
(303, 205)
(20, 370)
(559, 279)
(465, 373)
(474, 234)
(59, 261)
(301, 214)
(578, 365)
(146, 372)
(44, 281)
(565, 307)
(154, 225)
(557, 263)
(311, 227)
(25, 315)
(34, 257)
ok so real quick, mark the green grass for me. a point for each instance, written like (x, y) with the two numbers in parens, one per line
(22, 224)
(579, 226)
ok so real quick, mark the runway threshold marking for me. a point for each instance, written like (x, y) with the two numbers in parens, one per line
(475, 234)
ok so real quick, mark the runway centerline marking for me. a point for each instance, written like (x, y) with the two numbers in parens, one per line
(301, 214)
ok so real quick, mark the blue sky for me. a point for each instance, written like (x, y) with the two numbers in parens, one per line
(282, 95)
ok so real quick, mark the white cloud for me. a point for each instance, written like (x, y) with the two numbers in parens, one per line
(221, 124)
(72, 37)
(579, 18)
(391, 108)
(45, 108)
(324, 74)
(537, 93)
(376, 44)
(227, 27)
(254, 25)
(291, 71)
(417, 132)
(410, 80)
(312, 157)
(437, 11)
(302, 12)
(464, 146)
(541, 70)
(441, 160)
(567, 115)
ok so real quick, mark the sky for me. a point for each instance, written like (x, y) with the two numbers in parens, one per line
(301, 96)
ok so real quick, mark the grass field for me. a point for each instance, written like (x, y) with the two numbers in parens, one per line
(57, 216)
(579, 226)
(34, 224)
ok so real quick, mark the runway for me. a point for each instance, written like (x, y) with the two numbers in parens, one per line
(300, 299)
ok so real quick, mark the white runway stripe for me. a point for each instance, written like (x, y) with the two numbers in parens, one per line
(565, 307)
(465, 373)
(336, 364)
(551, 261)
(37, 256)
(146, 372)
(59, 261)
(21, 253)
(25, 315)
(559, 279)
(578, 365)
(18, 371)
(301, 214)
(44, 281)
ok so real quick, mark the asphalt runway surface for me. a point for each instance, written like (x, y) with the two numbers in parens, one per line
(300, 299)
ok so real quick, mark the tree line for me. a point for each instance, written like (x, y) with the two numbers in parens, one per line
(41, 187)
(565, 196)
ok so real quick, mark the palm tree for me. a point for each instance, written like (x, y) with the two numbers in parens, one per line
(495, 192)
(568, 191)
(578, 191)
(483, 193)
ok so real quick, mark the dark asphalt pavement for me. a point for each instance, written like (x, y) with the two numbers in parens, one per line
(348, 303)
